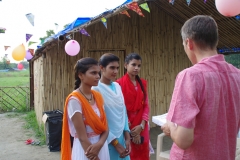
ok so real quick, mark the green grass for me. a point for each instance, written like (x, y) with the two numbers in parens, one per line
(33, 124)
(14, 79)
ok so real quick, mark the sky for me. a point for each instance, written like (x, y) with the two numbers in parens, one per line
(47, 13)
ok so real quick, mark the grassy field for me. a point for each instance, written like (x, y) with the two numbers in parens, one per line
(14, 98)
(13, 79)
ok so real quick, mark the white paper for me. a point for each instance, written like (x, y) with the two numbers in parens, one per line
(160, 119)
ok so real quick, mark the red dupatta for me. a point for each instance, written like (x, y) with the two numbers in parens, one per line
(134, 99)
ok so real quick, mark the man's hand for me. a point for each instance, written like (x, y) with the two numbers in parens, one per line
(165, 128)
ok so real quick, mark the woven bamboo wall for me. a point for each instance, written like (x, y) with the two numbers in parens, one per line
(38, 75)
(156, 37)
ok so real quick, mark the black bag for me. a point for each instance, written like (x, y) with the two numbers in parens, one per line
(53, 129)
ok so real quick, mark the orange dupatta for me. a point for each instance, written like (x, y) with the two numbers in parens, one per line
(98, 125)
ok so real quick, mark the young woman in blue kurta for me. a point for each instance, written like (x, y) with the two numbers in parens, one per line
(119, 137)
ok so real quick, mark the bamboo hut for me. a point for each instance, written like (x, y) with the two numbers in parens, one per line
(156, 37)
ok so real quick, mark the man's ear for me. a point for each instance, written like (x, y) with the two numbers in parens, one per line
(189, 43)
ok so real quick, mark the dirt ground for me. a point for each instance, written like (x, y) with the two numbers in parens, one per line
(14, 135)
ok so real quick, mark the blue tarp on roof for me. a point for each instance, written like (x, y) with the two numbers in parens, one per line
(78, 22)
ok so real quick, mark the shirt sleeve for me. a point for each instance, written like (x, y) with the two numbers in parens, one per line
(73, 107)
(183, 108)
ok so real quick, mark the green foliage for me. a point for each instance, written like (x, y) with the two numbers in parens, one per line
(65, 26)
(48, 34)
(234, 59)
(33, 124)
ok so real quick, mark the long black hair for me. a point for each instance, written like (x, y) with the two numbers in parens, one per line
(136, 56)
(82, 66)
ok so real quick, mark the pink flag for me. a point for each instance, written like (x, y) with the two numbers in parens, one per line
(28, 36)
(134, 6)
(126, 13)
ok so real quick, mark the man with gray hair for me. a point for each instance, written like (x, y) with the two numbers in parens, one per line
(204, 114)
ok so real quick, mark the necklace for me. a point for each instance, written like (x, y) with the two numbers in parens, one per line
(89, 99)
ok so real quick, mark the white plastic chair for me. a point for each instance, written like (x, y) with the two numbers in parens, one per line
(238, 150)
(161, 155)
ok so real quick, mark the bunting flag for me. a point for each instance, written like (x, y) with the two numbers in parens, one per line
(145, 6)
(6, 47)
(188, 2)
(30, 43)
(28, 36)
(134, 6)
(56, 26)
(84, 32)
(104, 21)
(69, 36)
(42, 40)
(126, 13)
(172, 1)
(2, 30)
(30, 18)
(31, 51)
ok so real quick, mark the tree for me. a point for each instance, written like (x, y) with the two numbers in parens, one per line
(48, 34)
(65, 26)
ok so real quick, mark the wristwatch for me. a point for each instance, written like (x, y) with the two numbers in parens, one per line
(142, 126)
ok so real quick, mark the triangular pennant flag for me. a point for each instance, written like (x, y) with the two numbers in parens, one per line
(134, 6)
(56, 25)
(84, 32)
(172, 1)
(30, 43)
(69, 36)
(104, 21)
(28, 36)
(31, 51)
(30, 18)
(145, 6)
(6, 47)
(42, 40)
(126, 13)
(188, 2)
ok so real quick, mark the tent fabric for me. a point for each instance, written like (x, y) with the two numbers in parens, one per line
(78, 22)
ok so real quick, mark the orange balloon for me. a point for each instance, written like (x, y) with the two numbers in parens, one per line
(19, 53)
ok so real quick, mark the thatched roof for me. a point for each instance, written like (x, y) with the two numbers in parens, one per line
(229, 27)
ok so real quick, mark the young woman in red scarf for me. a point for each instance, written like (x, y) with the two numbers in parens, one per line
(135, 95)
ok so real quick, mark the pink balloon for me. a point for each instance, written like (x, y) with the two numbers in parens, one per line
(228, 8)
(20, 66)
(28, 55)
(72, 48)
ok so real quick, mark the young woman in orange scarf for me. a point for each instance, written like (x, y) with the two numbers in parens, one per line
(84, 117)
(136, 100)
